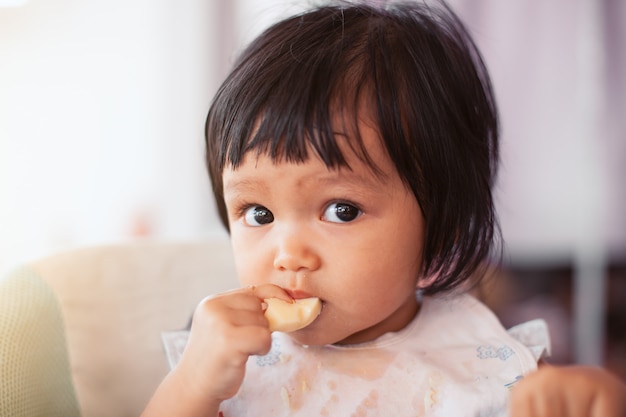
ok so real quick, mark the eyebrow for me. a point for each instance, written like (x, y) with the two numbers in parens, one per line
(353, 179)
(345, 175)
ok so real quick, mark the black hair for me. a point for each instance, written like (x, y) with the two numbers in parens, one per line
(428, 91)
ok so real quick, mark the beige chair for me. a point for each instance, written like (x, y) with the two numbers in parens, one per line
(108, 306)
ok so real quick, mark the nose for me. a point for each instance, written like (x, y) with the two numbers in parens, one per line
(295, 252)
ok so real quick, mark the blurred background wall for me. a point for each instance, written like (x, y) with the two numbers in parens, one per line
(101, 113)
(102, 106)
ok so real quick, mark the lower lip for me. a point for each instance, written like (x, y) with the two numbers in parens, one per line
(296, 295)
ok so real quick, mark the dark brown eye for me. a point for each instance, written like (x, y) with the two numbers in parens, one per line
(341, 212)
(258, 216)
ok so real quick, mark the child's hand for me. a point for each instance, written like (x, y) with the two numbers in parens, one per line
(226, 330)
(569, 391)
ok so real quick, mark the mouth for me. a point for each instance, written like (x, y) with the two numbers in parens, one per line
(298, 294)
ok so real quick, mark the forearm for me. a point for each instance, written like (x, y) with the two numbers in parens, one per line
(227, 329)
(176, 397)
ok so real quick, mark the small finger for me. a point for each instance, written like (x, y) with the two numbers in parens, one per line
(269, 291)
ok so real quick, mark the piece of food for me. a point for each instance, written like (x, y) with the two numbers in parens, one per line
(287, 317)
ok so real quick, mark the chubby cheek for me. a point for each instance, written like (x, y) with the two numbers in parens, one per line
(248, 274)
(370, 302)
(248, 261)
(383, 283)
(371, 290)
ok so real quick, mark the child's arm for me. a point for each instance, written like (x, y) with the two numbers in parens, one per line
(569, 391)
(226, 330)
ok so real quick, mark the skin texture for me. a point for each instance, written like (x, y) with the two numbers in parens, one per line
(363, 266)
(364, 270)
(572, 391)
(290, 242)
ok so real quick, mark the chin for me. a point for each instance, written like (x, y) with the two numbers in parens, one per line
(311, 337)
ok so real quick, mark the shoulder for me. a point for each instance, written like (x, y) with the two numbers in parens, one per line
(451, 321)
(462, 312)
(466, 316)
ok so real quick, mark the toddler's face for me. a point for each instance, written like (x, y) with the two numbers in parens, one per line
(347, 236)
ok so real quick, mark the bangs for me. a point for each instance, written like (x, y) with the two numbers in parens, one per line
(308, 98)
(324, 124)
(303, 88)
